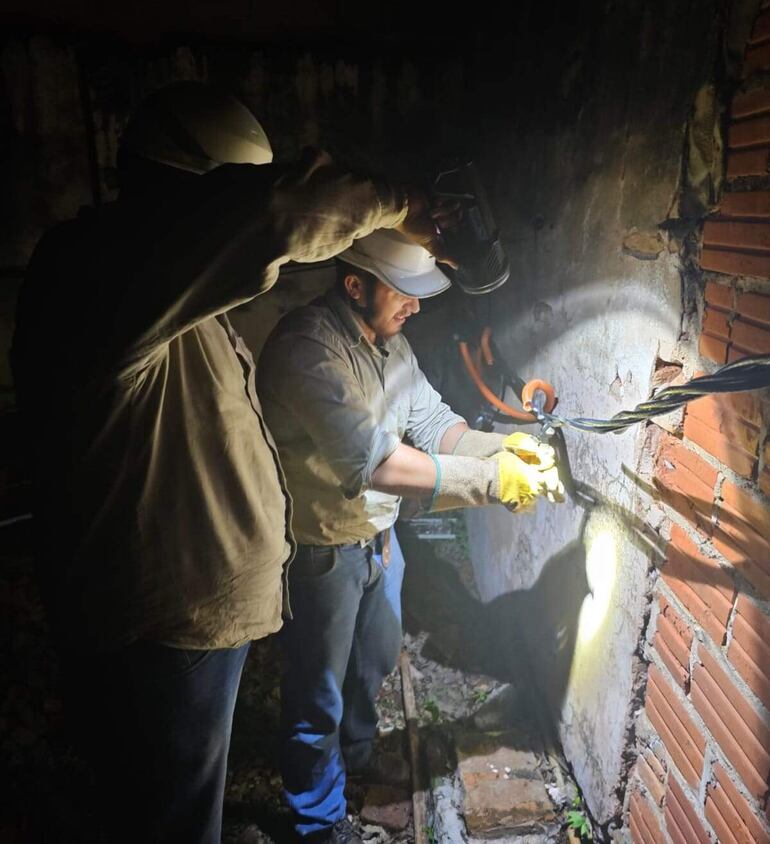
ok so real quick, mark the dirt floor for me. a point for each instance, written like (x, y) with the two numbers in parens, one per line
(46, 793)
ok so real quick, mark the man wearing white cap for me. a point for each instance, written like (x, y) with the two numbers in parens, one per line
(340, 388)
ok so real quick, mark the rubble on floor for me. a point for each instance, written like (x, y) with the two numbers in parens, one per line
(473, 728)
(487, 779)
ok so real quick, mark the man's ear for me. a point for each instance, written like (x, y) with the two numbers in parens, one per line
(354, 286)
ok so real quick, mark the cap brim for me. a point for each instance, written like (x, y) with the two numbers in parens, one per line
(420, 286)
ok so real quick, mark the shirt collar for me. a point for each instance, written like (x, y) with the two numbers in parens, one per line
(354, 333)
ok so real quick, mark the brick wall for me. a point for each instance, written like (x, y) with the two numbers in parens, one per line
(703, 768)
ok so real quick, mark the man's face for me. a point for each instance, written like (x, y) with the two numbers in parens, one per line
(388, 311)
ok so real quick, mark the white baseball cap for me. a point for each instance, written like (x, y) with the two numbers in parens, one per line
(398, 262)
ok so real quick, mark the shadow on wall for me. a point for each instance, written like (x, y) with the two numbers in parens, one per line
(678, 563)
(530, 637)
(470, 635)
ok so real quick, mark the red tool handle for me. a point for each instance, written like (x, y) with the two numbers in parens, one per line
(528, 393)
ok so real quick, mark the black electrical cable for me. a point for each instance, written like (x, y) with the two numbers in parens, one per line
(751, 373)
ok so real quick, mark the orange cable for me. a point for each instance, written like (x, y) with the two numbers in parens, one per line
(485, 391)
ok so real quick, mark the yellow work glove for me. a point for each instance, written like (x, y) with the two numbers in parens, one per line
(530, 449)
(521, 482)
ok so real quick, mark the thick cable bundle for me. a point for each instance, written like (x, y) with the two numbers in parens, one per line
(752, 373)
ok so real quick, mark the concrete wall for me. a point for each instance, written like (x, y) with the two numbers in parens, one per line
(587, 149)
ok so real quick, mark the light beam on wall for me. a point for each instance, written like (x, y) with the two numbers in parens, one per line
(601, 571)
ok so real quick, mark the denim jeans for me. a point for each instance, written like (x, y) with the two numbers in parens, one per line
(344, 639)
(155, 722)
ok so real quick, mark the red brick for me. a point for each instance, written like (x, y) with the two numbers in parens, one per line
(750, 162)
(757, 58)
(716, 816)
(750, 339)
(749, 133)
(736, 420)
(636, 835)
(653, 785)
(749, 649)
(743, 534)
(648, 827)
(736, 263)
(684, 815)
(729, 235)
(757, 722)
(669, 729)
(742, 505)
(675, 835)
(746, 405)
(736, 821)
(679, 672)
(748, 104)
(740, 560)
(741, 732)
(712, 349)
(656, 766)
(669, 717)
(744, 524)
(722, 445)
(716, 323)
(700, 583)
(721, 410)
(672, 641)
(676, 629)
(754, 307)
(721, 296)
(685, 481)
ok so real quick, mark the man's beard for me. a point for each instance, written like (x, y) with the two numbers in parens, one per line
(366, 312)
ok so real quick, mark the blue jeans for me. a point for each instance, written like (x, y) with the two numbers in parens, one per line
(155, 723)
(344, 639)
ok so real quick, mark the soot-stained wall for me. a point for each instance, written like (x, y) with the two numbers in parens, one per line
(587, 147)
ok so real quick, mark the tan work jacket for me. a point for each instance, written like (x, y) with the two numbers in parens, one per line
(160, 499)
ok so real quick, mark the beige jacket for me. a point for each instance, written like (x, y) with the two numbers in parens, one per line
(161, 504)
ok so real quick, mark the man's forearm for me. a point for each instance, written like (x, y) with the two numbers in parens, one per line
(408, 472)
(464, 481)
(411, 473)
(453, 480)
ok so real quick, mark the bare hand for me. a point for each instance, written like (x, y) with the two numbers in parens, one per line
(421, 227)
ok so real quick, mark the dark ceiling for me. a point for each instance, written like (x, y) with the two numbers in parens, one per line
(418, 25)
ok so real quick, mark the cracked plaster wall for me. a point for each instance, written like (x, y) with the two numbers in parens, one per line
(588, 159)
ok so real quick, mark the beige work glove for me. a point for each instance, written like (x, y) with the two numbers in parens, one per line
(482, 444)
(503, 478)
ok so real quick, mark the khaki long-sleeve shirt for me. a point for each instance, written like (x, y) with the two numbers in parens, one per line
(160, 499)
(338, 406)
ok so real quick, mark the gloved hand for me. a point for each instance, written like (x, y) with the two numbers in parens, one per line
(503, 478)
(521, 482)
(530, 449)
